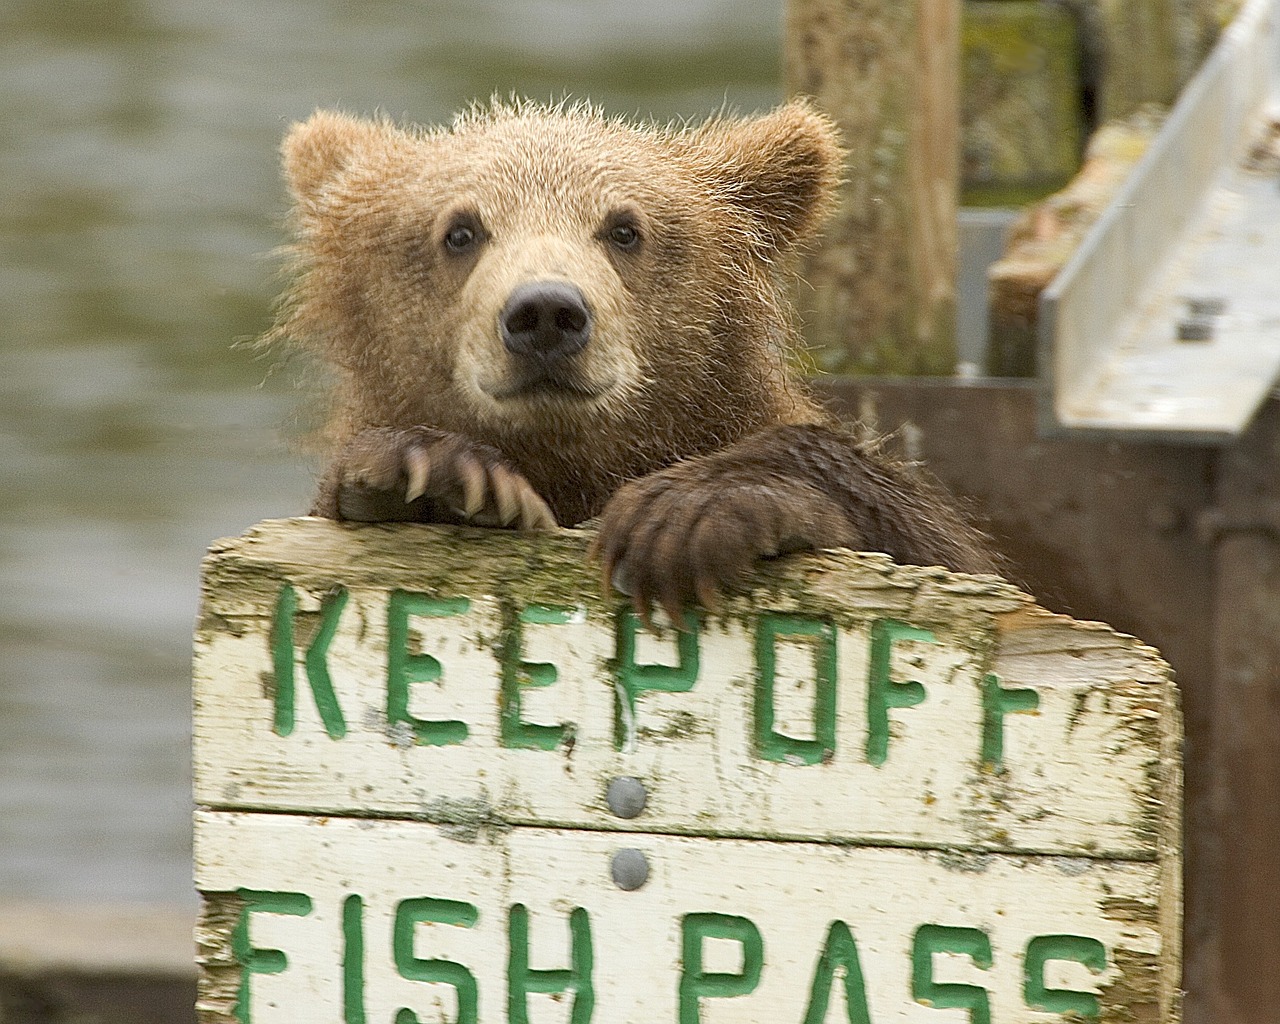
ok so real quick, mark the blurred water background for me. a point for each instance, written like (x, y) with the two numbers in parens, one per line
(139, 204)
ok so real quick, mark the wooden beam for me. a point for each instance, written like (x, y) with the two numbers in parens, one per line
(880, 289)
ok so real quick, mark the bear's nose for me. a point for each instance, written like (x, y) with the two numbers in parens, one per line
(547, 319)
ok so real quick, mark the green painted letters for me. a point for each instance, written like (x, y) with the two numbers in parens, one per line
(773, 745)
(521, 979)
(409, 914)
(353, 960)
(517, 674)
(970, 942)
(404, 668)
(261, 961)
(695, 983)
(316, 661)
(996, 703)
(635, 679)
(840, 951)
(1078, 948)
(882, 692)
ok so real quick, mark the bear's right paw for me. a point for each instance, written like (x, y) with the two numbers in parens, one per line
(430, 476)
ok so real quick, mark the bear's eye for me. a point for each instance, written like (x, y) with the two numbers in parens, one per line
(461, 237)
(624, 236)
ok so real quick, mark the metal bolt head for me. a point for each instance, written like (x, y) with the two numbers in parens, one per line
(1206, 305)
(626, 796)
(1195, 328)
(630, 869)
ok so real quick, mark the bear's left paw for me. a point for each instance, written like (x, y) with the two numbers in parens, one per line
(675, 538)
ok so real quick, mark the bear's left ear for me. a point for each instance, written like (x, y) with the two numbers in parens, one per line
(783, 167)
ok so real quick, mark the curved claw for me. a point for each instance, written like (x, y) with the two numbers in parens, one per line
(506, 494)
(708, 594)
(674, 607)
(535, 513)
(604, 553)
(472, 476)
(418, 466)
(643, 610)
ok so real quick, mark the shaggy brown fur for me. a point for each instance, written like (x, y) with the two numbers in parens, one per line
(645, 379)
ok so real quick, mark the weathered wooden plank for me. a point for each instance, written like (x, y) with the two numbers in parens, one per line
(338, 920)
(910, 707)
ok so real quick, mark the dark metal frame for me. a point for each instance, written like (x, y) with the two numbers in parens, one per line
(1179, 545)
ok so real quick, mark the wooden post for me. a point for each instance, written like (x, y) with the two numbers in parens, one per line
(880, 288)
(1150, 49)
(440, 775)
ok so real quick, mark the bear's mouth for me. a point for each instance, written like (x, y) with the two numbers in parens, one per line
(545, 382)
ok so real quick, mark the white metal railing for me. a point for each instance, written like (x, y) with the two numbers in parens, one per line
(1165, 324)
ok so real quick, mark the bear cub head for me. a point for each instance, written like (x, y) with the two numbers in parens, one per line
(594, 299)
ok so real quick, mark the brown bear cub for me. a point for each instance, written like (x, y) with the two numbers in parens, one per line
(540, 315)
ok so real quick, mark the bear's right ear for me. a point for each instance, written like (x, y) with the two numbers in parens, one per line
(316, 150)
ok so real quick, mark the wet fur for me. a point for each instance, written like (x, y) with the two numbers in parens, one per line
(682, 427)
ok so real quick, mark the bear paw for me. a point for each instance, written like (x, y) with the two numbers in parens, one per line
(678, 537)
(425, 475)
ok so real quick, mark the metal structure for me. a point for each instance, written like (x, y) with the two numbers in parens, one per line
(1165, 325)
(1178, 544)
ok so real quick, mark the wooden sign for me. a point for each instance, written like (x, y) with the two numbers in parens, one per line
(442, 777)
